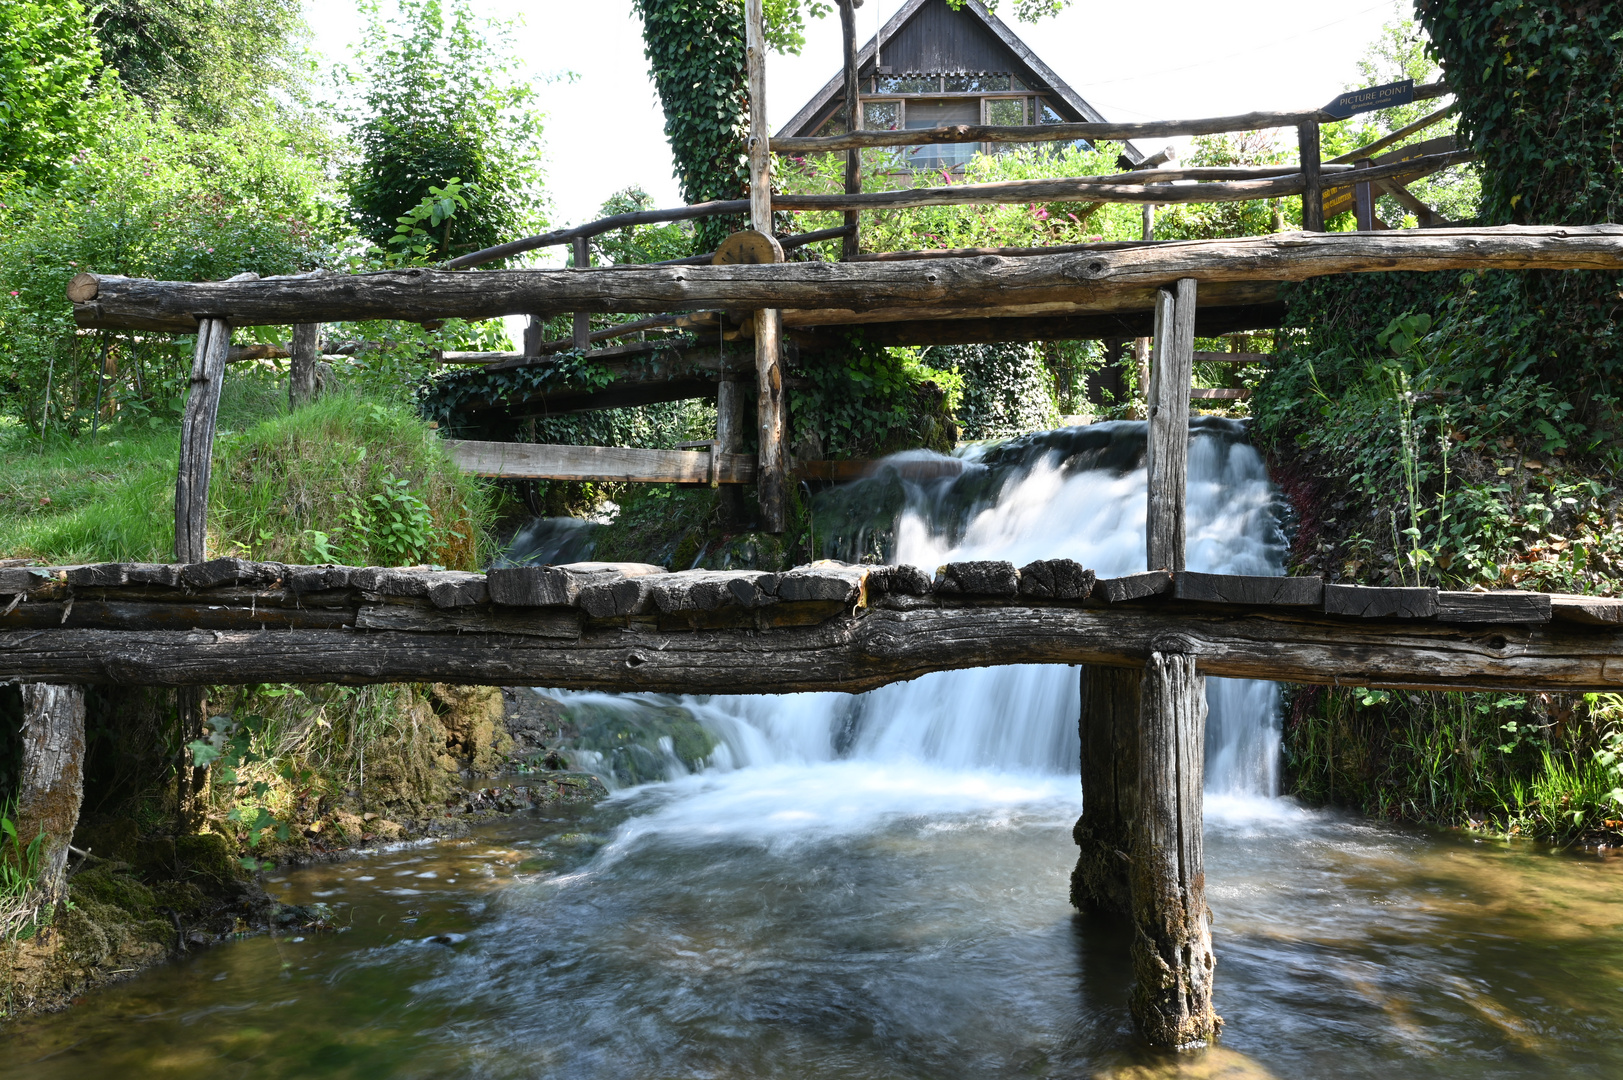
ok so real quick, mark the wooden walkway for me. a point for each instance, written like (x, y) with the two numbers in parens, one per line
(828, 626)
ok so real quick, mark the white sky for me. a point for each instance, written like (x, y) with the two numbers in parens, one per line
(1170, 60)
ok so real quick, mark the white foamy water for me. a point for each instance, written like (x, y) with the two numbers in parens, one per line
(947, 735)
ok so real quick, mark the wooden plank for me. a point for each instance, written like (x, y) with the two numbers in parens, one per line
(1245, 589)
(197, 425)
(1070, 281)
(1166, 456)
(1494, 607)
(1203, 357)
(1133, 586)
(1219, 394)
(1587, 610)
(1372, 602)
(1172, 943)
(545, 461)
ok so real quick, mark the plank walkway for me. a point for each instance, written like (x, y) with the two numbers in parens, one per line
(828, 626)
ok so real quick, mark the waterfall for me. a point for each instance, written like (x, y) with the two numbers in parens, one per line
(1077, 493)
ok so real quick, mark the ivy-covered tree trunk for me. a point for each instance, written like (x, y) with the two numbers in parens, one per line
(1540, 86)
(695, 49)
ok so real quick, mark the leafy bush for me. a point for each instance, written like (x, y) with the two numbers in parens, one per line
(441, 102)
(48, 64)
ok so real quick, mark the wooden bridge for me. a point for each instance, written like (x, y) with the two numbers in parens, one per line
(1146, 642)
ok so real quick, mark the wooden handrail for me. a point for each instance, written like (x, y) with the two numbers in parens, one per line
(1086, 132)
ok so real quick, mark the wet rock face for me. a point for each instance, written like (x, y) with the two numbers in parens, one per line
(535, 723)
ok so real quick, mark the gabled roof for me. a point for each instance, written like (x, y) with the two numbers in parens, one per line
(1039, 75)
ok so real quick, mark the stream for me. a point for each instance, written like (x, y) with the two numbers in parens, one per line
(876, 885)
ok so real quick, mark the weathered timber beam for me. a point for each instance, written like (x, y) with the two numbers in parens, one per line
(844, 652)
(1070, 189)
(1086, 132)
(1209, 322)
(418, 294)
(542, 461)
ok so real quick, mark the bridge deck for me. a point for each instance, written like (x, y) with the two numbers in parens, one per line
(823, 627)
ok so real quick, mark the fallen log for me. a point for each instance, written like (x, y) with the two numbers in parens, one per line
(961, 285)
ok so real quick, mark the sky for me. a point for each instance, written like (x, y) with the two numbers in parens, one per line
(1174, 59)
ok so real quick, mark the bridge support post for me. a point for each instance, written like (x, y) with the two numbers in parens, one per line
(197, 440)
(1166, 455)
(52, 785)
(1109, 729)
(772, 463)
(1172, 940)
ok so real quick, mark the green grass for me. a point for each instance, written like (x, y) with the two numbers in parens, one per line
(346, 479)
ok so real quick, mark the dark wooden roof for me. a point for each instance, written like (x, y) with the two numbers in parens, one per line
(929, 36)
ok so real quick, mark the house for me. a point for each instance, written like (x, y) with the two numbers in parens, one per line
(932, 64)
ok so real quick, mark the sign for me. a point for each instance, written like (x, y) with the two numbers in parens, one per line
(1371, 97)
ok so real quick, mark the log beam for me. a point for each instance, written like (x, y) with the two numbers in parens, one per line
(838, 628)
(1109, 730)
(1172, 940)
(52, 784)
(963, 284)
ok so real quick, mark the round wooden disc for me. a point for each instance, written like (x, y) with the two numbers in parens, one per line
(748, 246)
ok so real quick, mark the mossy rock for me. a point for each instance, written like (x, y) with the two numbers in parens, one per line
(104, 886)
(208, 856)
(182, 897)
(115, 840)
(638, 739)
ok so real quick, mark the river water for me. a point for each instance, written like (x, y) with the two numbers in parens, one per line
(876, 886)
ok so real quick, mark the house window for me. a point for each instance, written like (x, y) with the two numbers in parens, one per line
(1006, 112)
(1046, 115)
(977, 83)
(939, 113)
(910, 83)
(882, 115)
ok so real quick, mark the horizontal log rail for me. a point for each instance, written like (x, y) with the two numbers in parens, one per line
(822, 627)
(1084, 132)
(1068, 282)
(1113, 188)
(610, 464)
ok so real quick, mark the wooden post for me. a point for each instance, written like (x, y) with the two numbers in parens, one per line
(52, 783)
(583, 321)
(197, 440)
(1166, 457)
(1172, 940)
(1109, 730)
(773, 460)
(1307, 140)
(1364, 201)
(853, 121)
(1141, 346)
(303, 353)
(730, 440)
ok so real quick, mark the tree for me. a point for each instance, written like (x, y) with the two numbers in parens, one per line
(442, 103)
(48, 65)
(215, 59)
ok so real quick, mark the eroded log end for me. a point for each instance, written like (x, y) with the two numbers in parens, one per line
(52, 784)
(1172, 940)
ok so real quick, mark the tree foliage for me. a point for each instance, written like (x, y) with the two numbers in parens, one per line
(214, 59)
(48, 64)
(442, 102)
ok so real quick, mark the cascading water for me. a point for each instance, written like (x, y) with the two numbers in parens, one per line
(1077, 493)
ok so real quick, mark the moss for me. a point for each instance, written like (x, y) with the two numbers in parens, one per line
(106, 886)
(473, 720)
